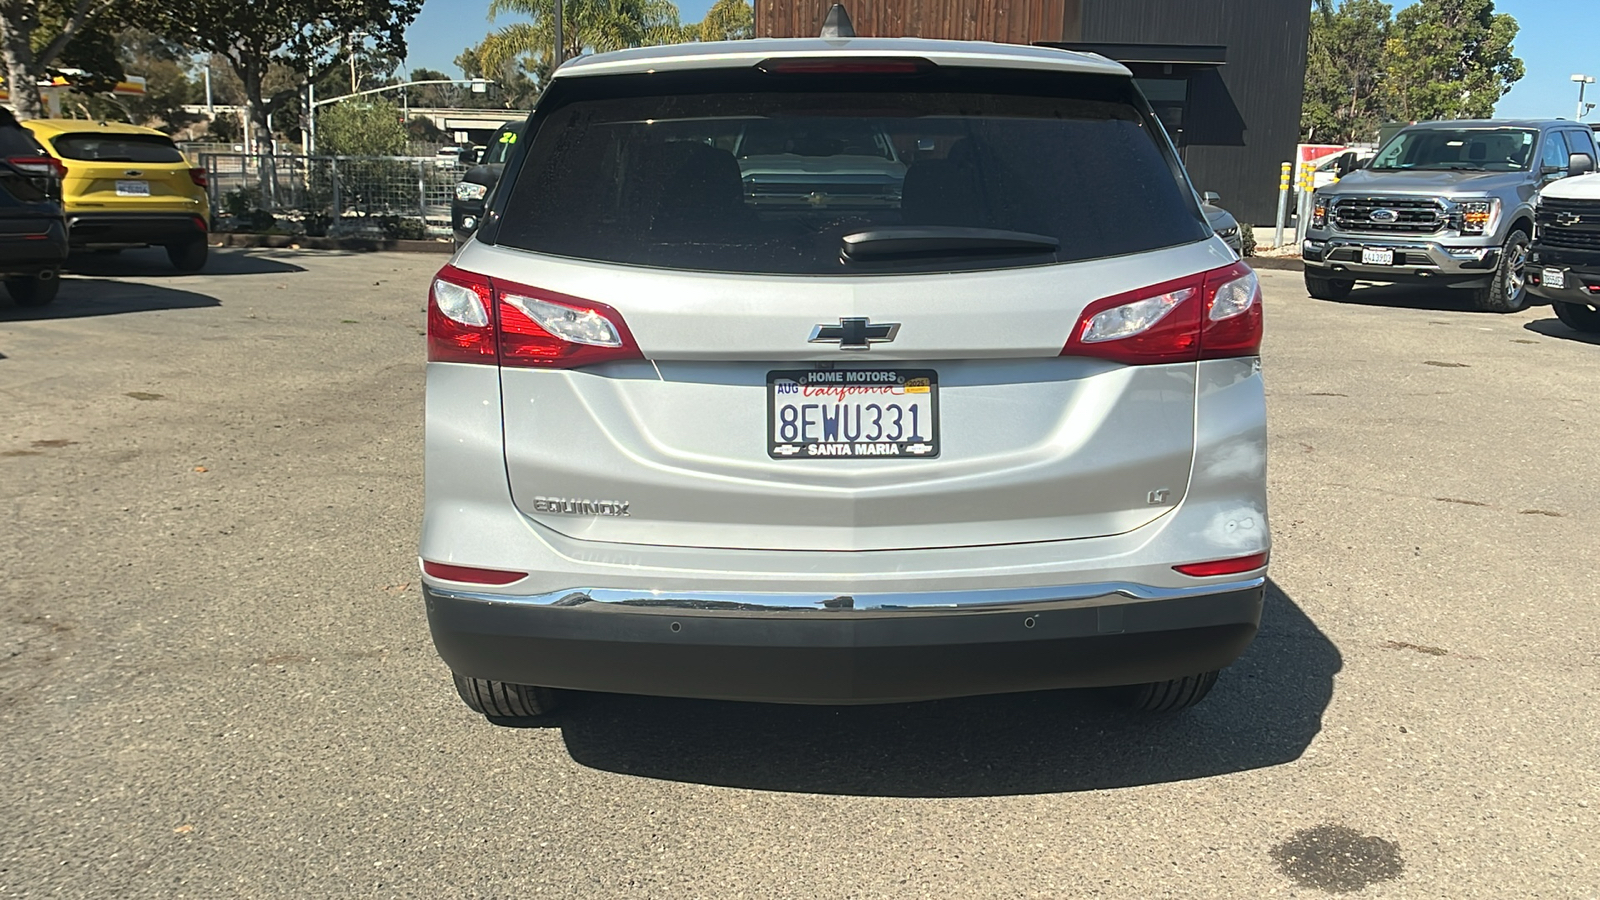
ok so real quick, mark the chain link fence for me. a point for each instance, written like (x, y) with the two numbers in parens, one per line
(376, 196)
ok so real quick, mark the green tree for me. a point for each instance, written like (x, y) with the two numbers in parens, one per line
(169, 78)
(1449, 59)
(35, 35)
(361, 127)
(1345, 59)
(305, 35)
(587, 25)
(726, 20)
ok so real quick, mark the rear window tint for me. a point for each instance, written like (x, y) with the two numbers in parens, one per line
(135, 148)
(748, 172)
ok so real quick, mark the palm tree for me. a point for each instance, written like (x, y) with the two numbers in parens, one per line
(587, 25)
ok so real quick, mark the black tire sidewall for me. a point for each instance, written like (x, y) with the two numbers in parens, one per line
(1493, 298)
(29, 290)
(189, 256)
(1577, 316)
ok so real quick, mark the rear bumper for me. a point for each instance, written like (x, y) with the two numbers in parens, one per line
(87, 229)
(802, 648)
(28, 246)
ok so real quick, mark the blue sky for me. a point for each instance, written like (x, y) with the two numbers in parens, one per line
(1558, 38)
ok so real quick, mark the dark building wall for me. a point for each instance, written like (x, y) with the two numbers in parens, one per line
(1264, 77)
(1244, 117)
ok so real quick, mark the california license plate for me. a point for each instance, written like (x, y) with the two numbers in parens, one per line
(1554, 278)
(1377, 256)
(854, 413)
(133, 189)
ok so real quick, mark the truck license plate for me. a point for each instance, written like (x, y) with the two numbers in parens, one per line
(1554, 278)
(1377, 256)
(830, 413)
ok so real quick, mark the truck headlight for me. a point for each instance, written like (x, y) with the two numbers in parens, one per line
(1319, 213)
(1477, 216)
(466, 190)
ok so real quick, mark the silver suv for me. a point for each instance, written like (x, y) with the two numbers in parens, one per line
(1446, 203)
(1000, 429)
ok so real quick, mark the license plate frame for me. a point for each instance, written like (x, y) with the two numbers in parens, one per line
(1377, 256)
(127, 188)
(853, 391)
(1556, 279)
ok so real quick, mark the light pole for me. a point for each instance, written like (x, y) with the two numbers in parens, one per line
(1583, 81)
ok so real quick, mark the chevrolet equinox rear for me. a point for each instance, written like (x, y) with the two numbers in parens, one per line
(843, 371)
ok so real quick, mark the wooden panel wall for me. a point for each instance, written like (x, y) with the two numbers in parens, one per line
(1009, 21)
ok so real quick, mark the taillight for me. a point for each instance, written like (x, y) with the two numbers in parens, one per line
(459, 326)
(47, 166)
(198, 176)
(473, 318)
(1215, 567)
(471, 574)
(834, 65)
(1211, 315)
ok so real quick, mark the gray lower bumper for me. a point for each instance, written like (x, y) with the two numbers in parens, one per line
(877, 649)
(1414, 260)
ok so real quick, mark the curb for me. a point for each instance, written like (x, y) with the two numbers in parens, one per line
(354, 245)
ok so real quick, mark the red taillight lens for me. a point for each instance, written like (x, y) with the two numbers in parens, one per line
(545, 329)
(1224, 566)
(471, 574)
(1233, 324)
(198, 176)
(893, 65)
(1212, 315)
(459, 324)
(1157, 324)
(47, 166)
(476, 319)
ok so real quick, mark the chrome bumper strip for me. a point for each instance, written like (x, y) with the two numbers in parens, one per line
(987, 600)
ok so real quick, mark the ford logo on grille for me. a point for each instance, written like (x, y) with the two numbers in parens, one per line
(1383, 215)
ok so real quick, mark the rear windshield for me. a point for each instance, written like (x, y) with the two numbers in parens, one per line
(749, 172)
(134, 148)
(18, 141)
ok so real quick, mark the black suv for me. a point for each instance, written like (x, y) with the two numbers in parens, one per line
(475, 185)
(33, 230)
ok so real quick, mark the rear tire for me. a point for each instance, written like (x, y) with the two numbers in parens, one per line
(499, 700)
(1507, 291)
(1321, 288)
(1171, 696)
(34, 290)
(1577, 316)
(189, 256)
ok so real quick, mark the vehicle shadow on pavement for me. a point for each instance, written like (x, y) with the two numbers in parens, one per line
(153, 263)
(1264, 711)
(82, 297)
(1411, 296)
(1553, 327)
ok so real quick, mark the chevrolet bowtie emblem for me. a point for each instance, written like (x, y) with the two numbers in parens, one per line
(855, 334)
(1567, 219)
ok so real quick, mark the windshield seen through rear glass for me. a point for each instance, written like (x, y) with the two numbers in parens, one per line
(135, 148)
(750, 172)
(1471, 149)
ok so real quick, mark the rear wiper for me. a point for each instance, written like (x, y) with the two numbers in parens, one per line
(940, 240)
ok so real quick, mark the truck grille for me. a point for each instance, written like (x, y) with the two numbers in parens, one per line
(1569, 224)
(1410, 216)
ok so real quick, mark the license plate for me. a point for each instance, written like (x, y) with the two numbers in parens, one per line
(854, 413)
(1554, 278)
(133, 189)
(1377, 256)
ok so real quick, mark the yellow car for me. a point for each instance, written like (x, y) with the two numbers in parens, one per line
(128, 186)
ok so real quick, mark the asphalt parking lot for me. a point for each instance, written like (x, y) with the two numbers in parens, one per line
(216, 677)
